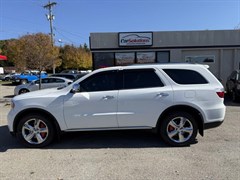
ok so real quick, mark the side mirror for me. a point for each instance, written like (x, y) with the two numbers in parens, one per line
(75, 88)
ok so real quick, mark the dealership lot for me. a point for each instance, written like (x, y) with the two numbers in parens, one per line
(122, 154)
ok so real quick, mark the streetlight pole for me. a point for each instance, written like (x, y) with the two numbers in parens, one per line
(50, 18)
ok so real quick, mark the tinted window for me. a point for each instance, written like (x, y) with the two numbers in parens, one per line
(184, 76)
(104, 81)
(42, 80)
(54, 80)
(68, 76)
(45, 80)
(59, 80)
(147, 78)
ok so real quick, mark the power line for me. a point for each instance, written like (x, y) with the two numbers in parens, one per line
(74, 34)
(64, 36)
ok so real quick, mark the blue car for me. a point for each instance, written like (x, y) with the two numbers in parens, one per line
(28, 76)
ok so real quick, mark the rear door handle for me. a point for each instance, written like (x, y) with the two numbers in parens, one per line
(107, 97)
(162, 94)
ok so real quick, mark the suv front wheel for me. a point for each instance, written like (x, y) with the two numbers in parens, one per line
(178, 129)
(35, 131)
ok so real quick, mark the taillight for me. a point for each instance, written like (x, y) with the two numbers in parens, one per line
(220, 94)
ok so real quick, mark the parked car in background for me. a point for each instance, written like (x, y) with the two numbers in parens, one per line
(8, 77)
(49, 82)
(177, 100)
(28, 76)
(65, 75)
(70, 76)
(80, 75)
(71, 71)
(233, 85)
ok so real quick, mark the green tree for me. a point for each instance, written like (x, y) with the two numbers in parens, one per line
(76, 57)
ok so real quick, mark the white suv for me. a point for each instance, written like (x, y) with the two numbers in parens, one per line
(178, 100)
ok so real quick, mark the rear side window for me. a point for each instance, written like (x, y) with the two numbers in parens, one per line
(185, 76)
(54, 80)
(144, 78)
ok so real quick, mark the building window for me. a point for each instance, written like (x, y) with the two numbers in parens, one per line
(146, 57)
(200, 59)
(101, 60)
(123, 59)
(163, 57)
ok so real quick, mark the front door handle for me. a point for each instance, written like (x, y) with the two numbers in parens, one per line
(162, 94)
(107, 97)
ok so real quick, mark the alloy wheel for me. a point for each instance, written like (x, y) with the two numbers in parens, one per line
(35, 131)
(179, 129)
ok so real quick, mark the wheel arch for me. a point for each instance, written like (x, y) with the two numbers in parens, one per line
(184, 108)
(39, 111)
(23, 89)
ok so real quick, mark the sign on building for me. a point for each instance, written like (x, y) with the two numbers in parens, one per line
(135, 39)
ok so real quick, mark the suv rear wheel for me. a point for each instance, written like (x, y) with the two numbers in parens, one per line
(178, 129)
(35, 131)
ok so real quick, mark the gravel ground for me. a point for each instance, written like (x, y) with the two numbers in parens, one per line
(122, 154)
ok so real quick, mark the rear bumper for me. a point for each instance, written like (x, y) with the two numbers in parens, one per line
(212, 124)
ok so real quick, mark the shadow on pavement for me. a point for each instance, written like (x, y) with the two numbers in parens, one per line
(91, 140)
(10, 96)
(7, 141)
(8, 84)
(109, 139)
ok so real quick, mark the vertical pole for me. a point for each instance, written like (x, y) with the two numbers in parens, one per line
(51, 31)
(50, 17)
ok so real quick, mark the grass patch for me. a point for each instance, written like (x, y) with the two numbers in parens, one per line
(5, 82)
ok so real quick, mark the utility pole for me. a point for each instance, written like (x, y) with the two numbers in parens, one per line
(50, 18)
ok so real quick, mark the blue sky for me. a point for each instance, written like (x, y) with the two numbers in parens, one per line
(75, 19)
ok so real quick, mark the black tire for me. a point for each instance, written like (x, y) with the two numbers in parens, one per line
(24, 81)
(176, 134)
(7, 79)
(22, 91)
(35, 131)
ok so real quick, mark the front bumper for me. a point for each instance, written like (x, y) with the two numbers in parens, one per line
(10, 119)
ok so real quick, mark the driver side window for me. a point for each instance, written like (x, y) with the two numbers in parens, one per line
(103, 81)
